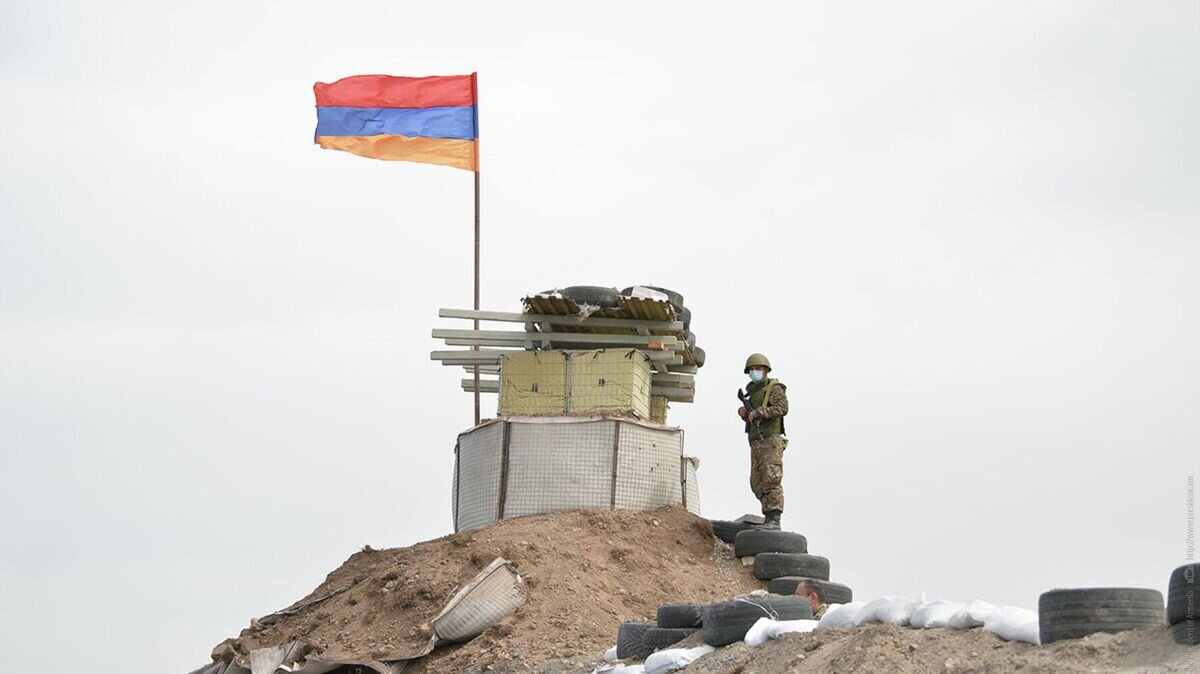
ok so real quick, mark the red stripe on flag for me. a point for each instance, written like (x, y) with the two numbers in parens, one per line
(385, 91)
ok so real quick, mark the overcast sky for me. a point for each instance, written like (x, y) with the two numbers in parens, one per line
(964, 232)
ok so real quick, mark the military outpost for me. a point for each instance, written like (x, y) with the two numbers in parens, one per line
(577, 528)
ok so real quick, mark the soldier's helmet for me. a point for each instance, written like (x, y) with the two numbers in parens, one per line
(756, 359)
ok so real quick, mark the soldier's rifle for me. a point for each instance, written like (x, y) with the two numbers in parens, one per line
(744, 396)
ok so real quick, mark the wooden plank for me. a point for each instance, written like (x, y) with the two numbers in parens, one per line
(559, 337)
(679, 395)
(512, 345)
(481, 356)
(485, 385)
(679, 380)
(591, 321)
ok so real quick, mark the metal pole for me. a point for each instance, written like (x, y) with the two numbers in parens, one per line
(475, 124)
(476, 290)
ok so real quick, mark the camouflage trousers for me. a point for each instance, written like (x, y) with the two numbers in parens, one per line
(766, 471)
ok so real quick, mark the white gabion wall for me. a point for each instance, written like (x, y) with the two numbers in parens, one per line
(529, 465)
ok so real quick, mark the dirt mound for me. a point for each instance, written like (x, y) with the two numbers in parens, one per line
(587, 571)
(901, 650)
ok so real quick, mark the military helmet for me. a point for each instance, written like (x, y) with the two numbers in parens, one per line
(757, 359)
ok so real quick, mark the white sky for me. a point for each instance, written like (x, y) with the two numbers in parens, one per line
(966, 233)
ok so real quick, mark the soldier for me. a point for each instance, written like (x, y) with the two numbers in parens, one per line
(815, 594)
(767, 405)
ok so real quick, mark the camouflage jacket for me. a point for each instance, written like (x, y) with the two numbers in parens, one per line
(770, 412)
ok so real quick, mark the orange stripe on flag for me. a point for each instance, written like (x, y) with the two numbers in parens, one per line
(445, 151)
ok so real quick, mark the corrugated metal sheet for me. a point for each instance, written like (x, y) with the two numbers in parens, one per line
(631, 308)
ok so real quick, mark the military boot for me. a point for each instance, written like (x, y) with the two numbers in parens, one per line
(772, 523)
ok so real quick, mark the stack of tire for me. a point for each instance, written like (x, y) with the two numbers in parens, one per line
(1182, 605)
(1076, 613)
(782, 559)
(600, 296)
(719, 623)
(674, 623)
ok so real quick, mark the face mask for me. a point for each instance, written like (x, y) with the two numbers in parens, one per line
(756, 376)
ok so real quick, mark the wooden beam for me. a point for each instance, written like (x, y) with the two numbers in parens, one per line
(482, 356)
(679, 395)
(485, 385)
(674, 380)
(667, 341)
(589, 322)
(508, 344)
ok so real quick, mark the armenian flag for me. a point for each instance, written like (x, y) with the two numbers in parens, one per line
(432, 120)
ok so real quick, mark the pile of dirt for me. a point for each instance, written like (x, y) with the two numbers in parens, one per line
(884, 647)
(587, 571)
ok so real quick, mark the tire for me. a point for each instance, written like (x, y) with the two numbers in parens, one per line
(769, 565)
(631, 640)
(698, 356)
(728, 621)
(1179, 632)
(1177, 594)
(684, 314)
(835, 593)
(679, 615)
(658, 638)
(728, 531)
(1071, 614)
(757, 541)
(594, 295)
(689, 338)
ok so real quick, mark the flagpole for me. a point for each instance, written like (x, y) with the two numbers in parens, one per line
(475, 123)
(477, 289)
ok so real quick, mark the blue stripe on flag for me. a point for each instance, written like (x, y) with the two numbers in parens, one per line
(442, 122)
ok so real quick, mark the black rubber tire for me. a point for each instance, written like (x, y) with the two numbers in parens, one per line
(1177, 594)
(684, 314)
(728, 531)
(698, 356)
(1075, 613)
(728, 621)
(594, 295)
(1179, 632)
(757, 541)
(683, 615)
(770, 565)
(658, 638)
(689, 338)
(835, 593)
(631, 640)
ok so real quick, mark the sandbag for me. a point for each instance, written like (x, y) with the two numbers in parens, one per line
(841, 615)
(887, 609)
(675, 658)
(768, 628)
(936, 613)
(1014, 624)
(973, 614)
